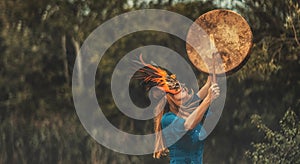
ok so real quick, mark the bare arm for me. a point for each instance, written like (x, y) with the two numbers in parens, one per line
(202, 93)
(194, 118)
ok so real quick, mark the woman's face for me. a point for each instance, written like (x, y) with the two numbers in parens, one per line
(182, 94)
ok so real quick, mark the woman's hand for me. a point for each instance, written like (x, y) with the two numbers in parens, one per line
(213, 92)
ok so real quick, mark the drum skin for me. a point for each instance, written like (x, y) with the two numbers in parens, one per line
(232, 39)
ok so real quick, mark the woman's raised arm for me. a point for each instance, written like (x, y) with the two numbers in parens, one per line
(196, 116)
(202, 93)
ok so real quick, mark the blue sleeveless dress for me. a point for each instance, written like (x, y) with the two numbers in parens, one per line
(185, 146)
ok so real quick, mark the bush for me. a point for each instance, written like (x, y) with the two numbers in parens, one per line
(280, 146)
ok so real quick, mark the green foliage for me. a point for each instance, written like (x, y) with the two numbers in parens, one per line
(276, 33)
(39, 41)
(280, 146)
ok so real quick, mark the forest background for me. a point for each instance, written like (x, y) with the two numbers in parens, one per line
(39, 41)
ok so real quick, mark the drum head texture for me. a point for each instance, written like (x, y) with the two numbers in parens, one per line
(232, 39)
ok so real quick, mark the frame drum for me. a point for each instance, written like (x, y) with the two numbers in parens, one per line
(221, 32)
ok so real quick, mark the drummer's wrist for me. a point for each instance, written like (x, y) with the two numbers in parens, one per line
(208, 81)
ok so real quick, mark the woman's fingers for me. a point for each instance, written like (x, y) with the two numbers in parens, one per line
(215, 90)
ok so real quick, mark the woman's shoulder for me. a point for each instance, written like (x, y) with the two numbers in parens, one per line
(168, 118)
(169, 115)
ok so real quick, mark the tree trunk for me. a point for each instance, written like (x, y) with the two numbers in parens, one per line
(79, 64)
(65, 59)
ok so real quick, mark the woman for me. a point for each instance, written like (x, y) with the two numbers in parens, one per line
(179, 114)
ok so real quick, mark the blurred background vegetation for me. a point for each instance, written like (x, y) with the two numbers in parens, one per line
(39, 41)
